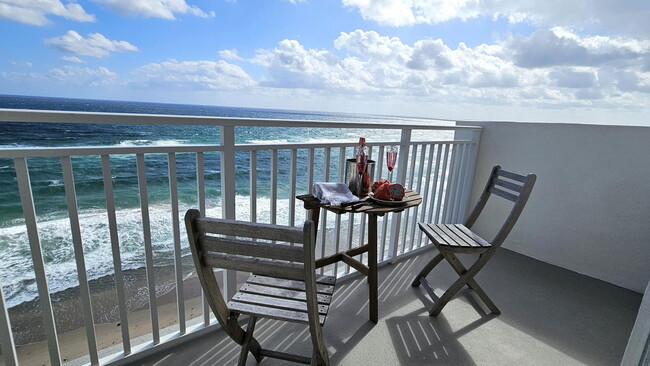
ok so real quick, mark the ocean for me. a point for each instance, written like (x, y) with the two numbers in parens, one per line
(16, 274)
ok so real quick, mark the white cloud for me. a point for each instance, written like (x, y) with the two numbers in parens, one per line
(291, 65)
(559, 46)
(74, 59)
(194, 75)
(626, 16)
(96, 45)
(377, 66)
(230, 55)
(164, 9)
(79, 75)
(35, 12)
(21, 64)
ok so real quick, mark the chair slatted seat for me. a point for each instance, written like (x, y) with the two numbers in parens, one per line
(283, 284)
(459, 238)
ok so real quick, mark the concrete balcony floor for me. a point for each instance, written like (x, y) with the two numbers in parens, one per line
(550, 316)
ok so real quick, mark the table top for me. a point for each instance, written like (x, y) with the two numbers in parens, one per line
(411, 199)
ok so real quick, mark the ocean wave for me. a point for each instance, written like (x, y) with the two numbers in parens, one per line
(55, 183)
(17, 275)
(142, 142)
(262, 142)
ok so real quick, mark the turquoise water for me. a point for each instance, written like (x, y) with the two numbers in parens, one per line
(16, 275)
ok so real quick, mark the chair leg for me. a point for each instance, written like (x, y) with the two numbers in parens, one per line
(425, 271)
(471, 283)
(458, 284)
(245, 347)
(320, 355)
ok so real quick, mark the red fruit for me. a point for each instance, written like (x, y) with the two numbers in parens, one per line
(383, 192)
(378, 183)
(396, 191)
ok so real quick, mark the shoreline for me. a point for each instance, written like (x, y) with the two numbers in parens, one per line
(71, 331)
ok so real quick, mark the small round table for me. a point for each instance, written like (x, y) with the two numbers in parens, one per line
(373, 209)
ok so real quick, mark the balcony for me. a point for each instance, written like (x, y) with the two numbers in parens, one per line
(569, 280)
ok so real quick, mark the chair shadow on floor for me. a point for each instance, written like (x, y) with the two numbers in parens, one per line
(420, 339)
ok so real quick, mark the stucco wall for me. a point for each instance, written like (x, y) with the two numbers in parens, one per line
(590, 209)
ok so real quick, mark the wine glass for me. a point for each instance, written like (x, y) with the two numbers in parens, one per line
(391, 159)
(362, 163)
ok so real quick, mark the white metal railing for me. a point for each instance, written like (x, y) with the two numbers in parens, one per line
(440, 169)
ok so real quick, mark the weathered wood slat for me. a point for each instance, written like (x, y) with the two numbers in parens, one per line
(254, 249)
(504, 194)
(509, 185)
(428, 230)
(279, 314)
(476, 238)
(451, 234)
(511, 175)
(283, 293)
(321, 287)
(447, 240)
(267, 267)
(276, 302)
(249, 229)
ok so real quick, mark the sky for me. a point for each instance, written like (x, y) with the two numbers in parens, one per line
(583, 61)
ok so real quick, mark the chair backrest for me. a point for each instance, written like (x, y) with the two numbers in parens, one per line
(237, 245)
(511, 186)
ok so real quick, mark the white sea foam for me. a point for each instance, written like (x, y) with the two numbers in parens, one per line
(152, 143)
(55, 182)
(261, 142)
(17, 275)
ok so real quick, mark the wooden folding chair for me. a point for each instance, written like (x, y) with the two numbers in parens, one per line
(458, 238)
(283, 284)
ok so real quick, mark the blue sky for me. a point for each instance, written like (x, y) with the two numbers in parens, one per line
(582, 61)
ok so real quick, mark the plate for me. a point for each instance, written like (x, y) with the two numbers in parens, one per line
(389, 203)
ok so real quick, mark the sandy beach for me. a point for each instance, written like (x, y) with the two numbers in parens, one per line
(27, 324)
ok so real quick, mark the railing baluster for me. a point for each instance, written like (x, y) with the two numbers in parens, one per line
(362, 224)
(148, 247)
(73, 214)
(178, 264)
(384, 219)
(326, 178)
(411, 184)
(292, 183)
(274, 187)
(442, 188)
(459, 185)
(453, 183)
(25, 190)
(310, 172)
(338, 217)
(115, 250)
(427, 191)
(228, 193)
(405, 140)
(7, 345)
(423, 149)
(253, 186)
(470, 177)
(200, 193)
(450, 201)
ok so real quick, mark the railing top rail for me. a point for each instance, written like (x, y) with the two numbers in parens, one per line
(42, 152)
(29, 115)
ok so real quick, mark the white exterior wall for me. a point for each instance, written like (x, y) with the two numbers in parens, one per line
(590, 209)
